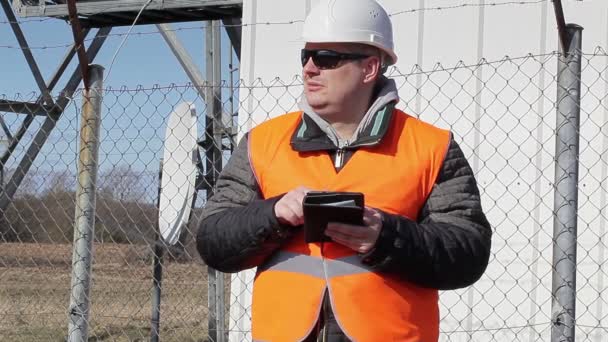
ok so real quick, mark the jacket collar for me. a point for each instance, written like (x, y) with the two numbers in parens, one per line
(314, 133)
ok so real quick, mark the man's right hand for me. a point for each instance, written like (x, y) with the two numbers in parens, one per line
(288, 209)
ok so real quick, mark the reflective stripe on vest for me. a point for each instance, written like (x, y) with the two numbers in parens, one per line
(396, 176)
(314, 266)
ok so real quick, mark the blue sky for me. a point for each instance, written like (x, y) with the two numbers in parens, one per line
(144, 59)
(133, 125)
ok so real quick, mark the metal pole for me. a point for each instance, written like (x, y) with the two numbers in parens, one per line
(479, 110)
(218, 132)
(185, 60)
(420, 54)
(157, 277)
(231, 126)
(210, 154)
(78, 40)
(159, 251)
(234, 30)
(84, 225)
(535, 280)
(213, 129)
(183, 57)
(562, 28)
(566, 189)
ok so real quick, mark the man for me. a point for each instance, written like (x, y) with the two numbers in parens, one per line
(423, 227)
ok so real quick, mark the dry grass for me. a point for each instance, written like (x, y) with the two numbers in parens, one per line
(35, 289)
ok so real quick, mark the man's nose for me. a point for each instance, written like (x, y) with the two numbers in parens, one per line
(310, 67)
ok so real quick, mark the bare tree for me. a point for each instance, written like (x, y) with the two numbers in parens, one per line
(31, 184)
(121, 183)
(60, 182)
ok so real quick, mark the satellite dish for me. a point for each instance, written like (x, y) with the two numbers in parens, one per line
(178, 172)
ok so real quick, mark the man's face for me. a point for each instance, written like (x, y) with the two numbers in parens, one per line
(329, 87)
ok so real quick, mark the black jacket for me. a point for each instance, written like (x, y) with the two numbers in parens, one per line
(447, 248)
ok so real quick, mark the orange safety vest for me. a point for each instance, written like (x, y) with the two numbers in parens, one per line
(396, 176)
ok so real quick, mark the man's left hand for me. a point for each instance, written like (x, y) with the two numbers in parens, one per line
(358, 238)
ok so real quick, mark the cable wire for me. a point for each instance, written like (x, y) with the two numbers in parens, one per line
(124, 39)
(489, 4)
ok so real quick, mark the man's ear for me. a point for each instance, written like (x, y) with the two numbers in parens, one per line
(371, 69)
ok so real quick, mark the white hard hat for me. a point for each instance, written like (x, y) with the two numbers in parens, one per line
(348, 21)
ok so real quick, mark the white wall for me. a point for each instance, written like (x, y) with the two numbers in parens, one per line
(510, 148)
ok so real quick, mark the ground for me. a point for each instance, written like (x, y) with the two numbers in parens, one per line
(35, 291)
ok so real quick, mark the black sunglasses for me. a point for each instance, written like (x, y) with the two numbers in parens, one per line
(328, 59)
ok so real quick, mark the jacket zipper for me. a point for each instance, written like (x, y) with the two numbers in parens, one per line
(339, 158)
(339, 161)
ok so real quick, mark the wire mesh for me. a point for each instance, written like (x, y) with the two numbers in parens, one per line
(502, 113)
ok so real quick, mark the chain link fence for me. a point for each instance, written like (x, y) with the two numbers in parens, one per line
(503, 114)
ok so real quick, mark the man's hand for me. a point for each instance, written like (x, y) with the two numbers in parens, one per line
(288, 209)
(358, 238)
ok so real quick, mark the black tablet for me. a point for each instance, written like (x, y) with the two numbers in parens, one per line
(321, 207)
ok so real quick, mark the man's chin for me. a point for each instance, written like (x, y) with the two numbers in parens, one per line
(319, 108)
(315, 102)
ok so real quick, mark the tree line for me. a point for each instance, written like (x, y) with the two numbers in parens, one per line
(43, 209)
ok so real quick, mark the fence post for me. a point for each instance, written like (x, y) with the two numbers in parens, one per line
(213, 155)
(566, 188)
(157, 266)
(84, 221)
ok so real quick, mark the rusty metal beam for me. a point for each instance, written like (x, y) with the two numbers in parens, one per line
(79, 42)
